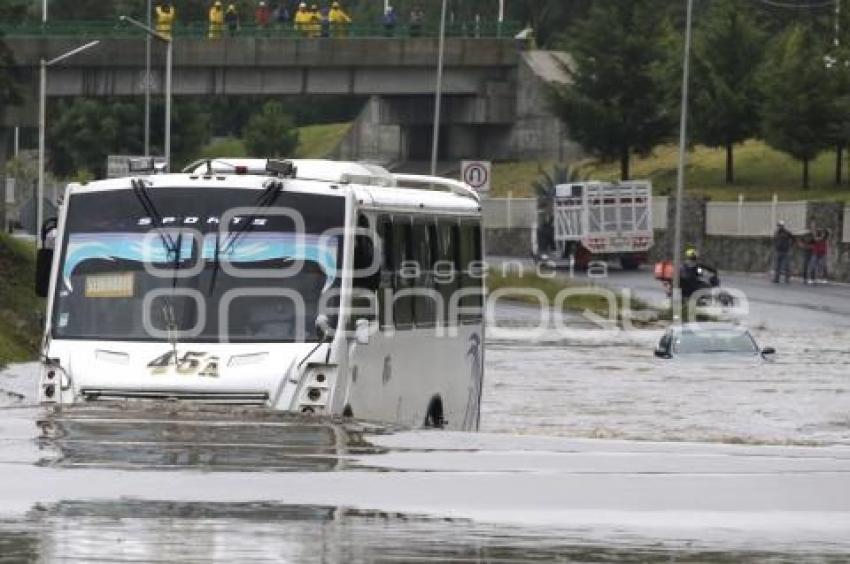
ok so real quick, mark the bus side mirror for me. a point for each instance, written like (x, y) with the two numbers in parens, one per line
(43, 263)
(361, 331)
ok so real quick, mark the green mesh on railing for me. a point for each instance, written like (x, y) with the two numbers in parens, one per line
(199, 30)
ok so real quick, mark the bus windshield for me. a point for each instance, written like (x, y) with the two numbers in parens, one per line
(197, 264)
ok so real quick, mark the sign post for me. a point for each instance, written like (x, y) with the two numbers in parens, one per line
(477, 175)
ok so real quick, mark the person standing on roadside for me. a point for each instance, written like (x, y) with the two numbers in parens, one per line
(783, 241)
(805, 242)
(820, 248)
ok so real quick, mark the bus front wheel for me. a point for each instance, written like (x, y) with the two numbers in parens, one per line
(434, 416)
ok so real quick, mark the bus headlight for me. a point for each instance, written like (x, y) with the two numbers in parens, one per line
(317, 388)
(54, 380)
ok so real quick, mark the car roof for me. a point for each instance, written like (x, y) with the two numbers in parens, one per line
(712, 326)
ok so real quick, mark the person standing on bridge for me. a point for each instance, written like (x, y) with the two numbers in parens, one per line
(339, 20)
(216, 19)
(165, 15)
(262, 15)
(231, 18)
(389, 21)
(417, 17)
(302, 19)
(314, 26)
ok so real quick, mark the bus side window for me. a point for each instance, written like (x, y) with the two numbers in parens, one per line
(424, 306)
(366, 277)
(386, 275)
(447, 275)
(404, 272)
(470, 258)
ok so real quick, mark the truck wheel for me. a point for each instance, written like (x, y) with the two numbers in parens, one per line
(581, 257)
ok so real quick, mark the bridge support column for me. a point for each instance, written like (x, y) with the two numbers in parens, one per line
(5, 150)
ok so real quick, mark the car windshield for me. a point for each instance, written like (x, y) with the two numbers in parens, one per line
(201, 264)
(712, 341)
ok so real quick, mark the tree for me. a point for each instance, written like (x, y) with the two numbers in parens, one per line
(9, 91)
(271, 132)
(798, 100)
(725, 101)
(617, 102)
(84, 131)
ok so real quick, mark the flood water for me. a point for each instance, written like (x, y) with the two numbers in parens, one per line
(164, 483)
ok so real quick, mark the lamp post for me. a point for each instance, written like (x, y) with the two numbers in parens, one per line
(438, 95)
(148, 86)
(501, 17)
(42, 114)
(169, 59)
(680, 176)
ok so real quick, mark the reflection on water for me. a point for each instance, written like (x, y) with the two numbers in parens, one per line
(165, 436)
(162, 531)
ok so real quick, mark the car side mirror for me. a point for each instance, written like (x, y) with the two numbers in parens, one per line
(768, 351)
(43, 263)
(362, 329)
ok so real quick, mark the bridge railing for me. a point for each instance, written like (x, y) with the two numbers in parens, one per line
(200, 30)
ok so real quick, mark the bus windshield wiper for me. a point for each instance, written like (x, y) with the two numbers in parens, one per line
(172, 248)
(266, 199)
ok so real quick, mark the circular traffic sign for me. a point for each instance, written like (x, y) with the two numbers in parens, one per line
(476, 175)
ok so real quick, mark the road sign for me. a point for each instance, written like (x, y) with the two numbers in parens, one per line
(476, 174)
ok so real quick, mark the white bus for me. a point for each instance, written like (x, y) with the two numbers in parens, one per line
(310, 286)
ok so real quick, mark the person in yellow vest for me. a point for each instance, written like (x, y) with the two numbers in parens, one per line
(339, 20)
(216, 20)
(315, 25)
(165, 15)
(302, 19)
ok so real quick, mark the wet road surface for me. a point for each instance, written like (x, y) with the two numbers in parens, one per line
(721, 463)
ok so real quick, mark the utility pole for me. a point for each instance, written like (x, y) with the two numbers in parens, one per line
(438, 96)
(148, 87)
(680, 176)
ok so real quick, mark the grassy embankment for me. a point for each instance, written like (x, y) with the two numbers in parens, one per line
(20, 330)
(314, 142)
(759, 173)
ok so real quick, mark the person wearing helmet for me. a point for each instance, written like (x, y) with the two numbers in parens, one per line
(695, 274)
(389, 21)
(783, 242)
(231, 18)
(302, 19)
(339, 20)
(216, 19)
(165, 15)
(262, 15)
(314, 28)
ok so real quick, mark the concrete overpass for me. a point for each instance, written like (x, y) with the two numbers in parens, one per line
(488, 85)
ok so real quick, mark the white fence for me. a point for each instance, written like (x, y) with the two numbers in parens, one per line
(509, 212)
(753, 219)
(659, 212)
(522, 212)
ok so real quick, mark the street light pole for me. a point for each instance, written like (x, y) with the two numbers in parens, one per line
(501, 16)
(148, 87)
(169, 60)
(42, 117)
(438, 95)
(680, 176)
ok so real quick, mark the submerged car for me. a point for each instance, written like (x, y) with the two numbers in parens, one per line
(714, 340)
